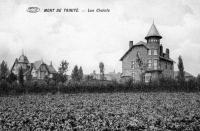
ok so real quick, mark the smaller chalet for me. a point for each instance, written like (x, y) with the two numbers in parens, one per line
(36, 70)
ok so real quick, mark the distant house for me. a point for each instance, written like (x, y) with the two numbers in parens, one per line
(40, 70)
(112, 76)
(188, 76)
(36, 70)
(23, 63)
(146, 61)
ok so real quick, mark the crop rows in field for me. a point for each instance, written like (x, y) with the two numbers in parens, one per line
(117, 111)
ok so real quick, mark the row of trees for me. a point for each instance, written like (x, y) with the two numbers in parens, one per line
(8, 76)
(77, 73)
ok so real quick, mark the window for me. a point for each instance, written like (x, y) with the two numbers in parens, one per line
(155, 64)
(149, 52)
(133, 75)
(149, 63)
(147, 77)
(155, 52)
(171, 66)
(133, 64)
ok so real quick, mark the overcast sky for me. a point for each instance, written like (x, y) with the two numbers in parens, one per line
(86, 38)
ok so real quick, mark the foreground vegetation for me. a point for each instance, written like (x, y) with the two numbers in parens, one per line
(105, 111)
(97, 86)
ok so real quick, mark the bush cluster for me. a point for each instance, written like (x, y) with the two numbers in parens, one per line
(97, 86)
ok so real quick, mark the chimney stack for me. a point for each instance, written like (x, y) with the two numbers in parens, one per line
(167, 52)
(161, 50)
(130, 44)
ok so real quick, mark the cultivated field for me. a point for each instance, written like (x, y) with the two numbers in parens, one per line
(118, 111)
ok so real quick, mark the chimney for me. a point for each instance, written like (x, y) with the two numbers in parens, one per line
(130, 44)
(161, 50)
(167, 52)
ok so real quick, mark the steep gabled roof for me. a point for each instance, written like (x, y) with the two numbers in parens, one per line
(153, 32)
(36, 64)
(51, 69)
(16, 61)
(141, 43)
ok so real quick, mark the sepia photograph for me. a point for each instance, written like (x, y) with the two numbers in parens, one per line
(99, 65)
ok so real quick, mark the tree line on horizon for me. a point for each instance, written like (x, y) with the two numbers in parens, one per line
(60, 81)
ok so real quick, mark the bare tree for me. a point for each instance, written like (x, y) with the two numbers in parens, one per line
(63, 67)
(101, 67)
(142, 66)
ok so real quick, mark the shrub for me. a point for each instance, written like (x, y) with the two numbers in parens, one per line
(4, 87)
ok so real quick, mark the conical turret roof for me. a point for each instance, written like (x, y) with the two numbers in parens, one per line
(153, 32)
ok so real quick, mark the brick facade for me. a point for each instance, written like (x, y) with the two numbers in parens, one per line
(155, 63)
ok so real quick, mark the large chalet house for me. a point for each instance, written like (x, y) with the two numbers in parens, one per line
(146, 61)
(36, 70)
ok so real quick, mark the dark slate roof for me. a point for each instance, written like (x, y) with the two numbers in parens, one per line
(167, 59)
(141, 43)
(23, 59)
(153, 32)
(36, 64)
